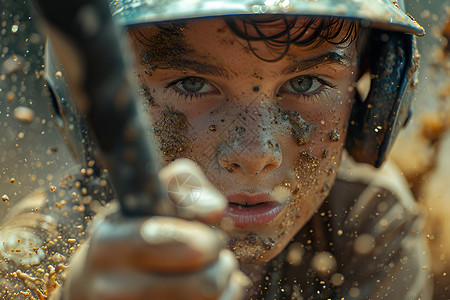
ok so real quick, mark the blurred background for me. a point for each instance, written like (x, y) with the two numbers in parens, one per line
(33, 153)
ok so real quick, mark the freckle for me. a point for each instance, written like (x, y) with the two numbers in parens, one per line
(256, 89)
(212, 127)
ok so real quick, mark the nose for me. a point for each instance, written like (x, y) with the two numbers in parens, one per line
(249, 153)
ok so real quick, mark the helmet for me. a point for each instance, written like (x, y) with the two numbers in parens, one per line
(375, 120)
(383, 14)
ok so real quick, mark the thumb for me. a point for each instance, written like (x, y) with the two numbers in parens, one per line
(190, 192)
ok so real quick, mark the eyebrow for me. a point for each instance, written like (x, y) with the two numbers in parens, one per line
(205, 68)
(327, 58)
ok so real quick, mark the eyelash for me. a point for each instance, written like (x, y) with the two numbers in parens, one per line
(186, 95)
(312, 95)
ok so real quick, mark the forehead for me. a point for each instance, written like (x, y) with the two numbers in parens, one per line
(217, 39)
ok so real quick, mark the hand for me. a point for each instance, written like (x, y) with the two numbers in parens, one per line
(159, 257)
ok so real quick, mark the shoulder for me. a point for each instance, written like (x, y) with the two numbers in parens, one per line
(376, 233)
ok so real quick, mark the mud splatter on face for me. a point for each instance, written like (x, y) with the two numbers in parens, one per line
(307, 165)
(149, 100)
(335, 136)
(250, 247)
(302, 131)
(170, 132)
(164, 42)
(165, 47)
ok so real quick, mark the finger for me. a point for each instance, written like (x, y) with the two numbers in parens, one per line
(159, 244)
(209, 283)
(193, 196)
(236, 287)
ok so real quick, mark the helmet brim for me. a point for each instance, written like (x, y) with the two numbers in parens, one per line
(381, 14)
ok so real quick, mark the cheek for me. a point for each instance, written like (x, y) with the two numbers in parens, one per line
(315, 163)
(169, 129)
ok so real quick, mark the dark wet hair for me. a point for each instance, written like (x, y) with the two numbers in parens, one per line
(294, 30)
(337, 31)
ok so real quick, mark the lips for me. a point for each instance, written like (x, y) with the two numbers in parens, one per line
(251, 210)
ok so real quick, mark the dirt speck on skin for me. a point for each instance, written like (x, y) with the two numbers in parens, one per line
(335, 136)
(170, 133)
(302, 131)
(149, 100)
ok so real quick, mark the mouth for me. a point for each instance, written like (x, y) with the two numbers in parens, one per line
(252, 210)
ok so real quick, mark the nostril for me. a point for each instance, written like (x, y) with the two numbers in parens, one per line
(269, 167)
(231, 167)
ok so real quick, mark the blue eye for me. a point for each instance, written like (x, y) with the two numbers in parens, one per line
(303, 85)
(193, 85)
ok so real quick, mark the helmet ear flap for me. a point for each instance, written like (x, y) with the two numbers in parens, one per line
(67, 115)
(375, 121)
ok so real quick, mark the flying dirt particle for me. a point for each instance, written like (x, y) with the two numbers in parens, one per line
(13, 64)
(281, 194)
(60, 204)
(10, 96)
(364, 244)
(12, 180)
(324, 263)
(21, 135)
(337, 279)
(295, 254)
(5, 198)
(89, 172)
(52, 188)
(212, 127)
(24, 114)
(354, 292)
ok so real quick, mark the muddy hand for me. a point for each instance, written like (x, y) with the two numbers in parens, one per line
(161, 257)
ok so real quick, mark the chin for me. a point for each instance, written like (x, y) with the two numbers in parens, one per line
(255, 247)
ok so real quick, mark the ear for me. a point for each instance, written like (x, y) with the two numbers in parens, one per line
(376, 120)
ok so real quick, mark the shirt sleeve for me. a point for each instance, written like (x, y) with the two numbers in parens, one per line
(365, 242)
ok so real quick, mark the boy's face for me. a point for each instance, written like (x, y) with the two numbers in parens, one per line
(268, 135)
